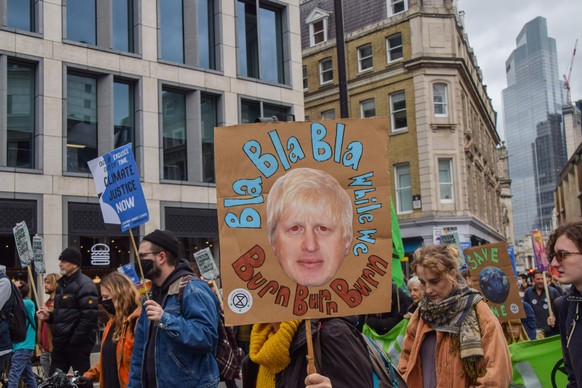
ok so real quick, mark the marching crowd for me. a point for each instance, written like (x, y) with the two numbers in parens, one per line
(452, 339)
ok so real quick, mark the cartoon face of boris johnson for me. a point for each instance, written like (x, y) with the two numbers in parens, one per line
(309, 225)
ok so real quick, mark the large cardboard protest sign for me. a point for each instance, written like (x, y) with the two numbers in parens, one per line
(119, 188)
(249, 159)
(492, 273)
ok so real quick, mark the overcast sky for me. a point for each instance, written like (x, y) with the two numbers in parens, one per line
(493, 25)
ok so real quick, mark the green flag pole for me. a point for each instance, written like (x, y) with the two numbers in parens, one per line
(397, 249)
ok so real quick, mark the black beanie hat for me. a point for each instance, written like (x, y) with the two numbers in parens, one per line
(164, 239)
(72, 255)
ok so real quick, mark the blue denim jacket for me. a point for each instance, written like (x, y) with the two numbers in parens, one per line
(186, 339)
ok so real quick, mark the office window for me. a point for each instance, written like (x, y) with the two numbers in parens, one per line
(108, 24)
(365, 57)
(187, 130)
(396, 6)
(123, 113)
(209, 116)
(260, 41)
(81, 122)
(398, 111)
(325, 71)
(81, 21)
(174, 135)
(446, 180)
(251, 110)
(368, 108)
(122, 24)
(172, 30)
(403, 188)
(180, 19)
(439, 91)
(328, 114)
(20, 118)
(21, 14)
(305, 77)
(101, 116)
(394, 47)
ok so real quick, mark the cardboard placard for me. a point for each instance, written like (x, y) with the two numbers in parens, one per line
(248, 160)
(206, 264)
(492, 274)
(23, 245)
(38, 250)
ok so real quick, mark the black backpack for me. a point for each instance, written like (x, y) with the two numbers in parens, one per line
(16, 316)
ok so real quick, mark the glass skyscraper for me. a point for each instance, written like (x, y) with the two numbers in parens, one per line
(532, 104)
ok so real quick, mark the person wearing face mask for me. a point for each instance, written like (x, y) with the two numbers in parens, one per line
(45, 333)
(122, 302)
(453, 339)
(74, 318)
(177, 332)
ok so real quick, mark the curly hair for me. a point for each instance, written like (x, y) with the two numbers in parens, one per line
(125, 298)
(440, 259)
(572, 230)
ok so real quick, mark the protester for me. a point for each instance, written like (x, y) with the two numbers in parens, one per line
(556, 285)
(416, 294)
(174, 340)
(453, 339)
(122, 302)
(277, 356)
(523, 284)
(514, 331)
(564, 248)
(46, 337)
(536, 297)
(74, 318)
(21, 366)
(382, 323)
(5, 308)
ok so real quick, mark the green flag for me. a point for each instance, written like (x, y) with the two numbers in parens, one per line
(397, 249)
(390, 342)
(538, 363)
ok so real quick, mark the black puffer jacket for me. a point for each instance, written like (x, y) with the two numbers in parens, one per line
(74, 319)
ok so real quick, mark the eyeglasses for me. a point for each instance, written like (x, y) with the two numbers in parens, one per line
(561, 255)
(144, 254)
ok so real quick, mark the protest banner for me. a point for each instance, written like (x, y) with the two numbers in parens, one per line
(206, 264)
(249, 159)
(492, 273)
(538, 363)
(119, 188)
(25, 253)
(453, 238)
(390, 342)
(38, 250)
(541, 259)
(23, 245)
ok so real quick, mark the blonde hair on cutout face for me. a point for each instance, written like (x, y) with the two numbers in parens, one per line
(304, 190)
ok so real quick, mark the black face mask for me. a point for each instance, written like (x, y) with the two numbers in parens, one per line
(147, 266)
(109, 306)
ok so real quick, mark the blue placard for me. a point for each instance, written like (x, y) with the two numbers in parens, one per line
(129, 271)
(119, 188)
(511, 253)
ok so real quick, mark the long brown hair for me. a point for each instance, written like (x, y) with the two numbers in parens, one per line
(440, 259)
(125, 298)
